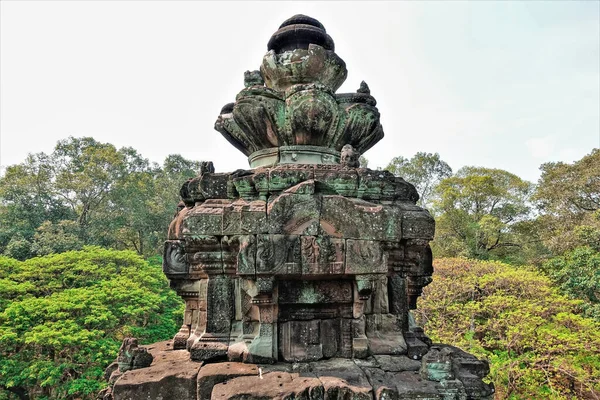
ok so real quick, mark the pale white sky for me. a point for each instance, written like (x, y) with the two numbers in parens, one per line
(497, 84)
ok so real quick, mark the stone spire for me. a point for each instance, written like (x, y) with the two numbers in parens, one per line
(289, 113)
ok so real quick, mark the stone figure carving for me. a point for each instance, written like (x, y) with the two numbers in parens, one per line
(349, 157)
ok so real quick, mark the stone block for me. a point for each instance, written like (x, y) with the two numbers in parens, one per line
(397, 363)
(300, 341)
(436, 365)
(260, 179)
(315, 292)
(342, 378)
(384, 334)
(170, 376)
(278, 255)
(272, 385)
(417, 225)
(282, 177)
(205, 220)
(378, 303)
(331, 337)
(376, 185)
(232, 218)
(364, 257)
(219, 305)
(214, 374)
(341, 181)
(214, 186)
(411, 386)
(305, 312)
(239, 254)
(349, 218)
(294, 214)
(254, 217)
(244, 186)
(383, 383)
(263, 348)
(204, 255)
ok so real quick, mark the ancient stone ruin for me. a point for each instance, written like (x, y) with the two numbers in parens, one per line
(306, 266)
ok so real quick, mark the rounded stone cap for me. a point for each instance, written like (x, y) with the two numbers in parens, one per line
(298, 32)
(302, 19)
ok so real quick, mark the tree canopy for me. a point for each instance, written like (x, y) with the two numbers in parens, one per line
(87, 192)
(538, 345)
(63, 316)
(478, 210)
(424, 170)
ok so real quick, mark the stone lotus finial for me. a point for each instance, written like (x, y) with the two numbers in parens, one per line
(289, 111)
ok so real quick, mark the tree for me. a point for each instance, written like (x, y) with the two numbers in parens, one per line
(86, 171)
(63, 316)
(424, 171)
(143, 204)
(58, 237)
(568, 196)
(538, 345)
(116, 197)
(479, 212)
(27, 200)
(577, 274)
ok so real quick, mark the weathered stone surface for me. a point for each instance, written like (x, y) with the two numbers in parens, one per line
(417, 224)
(294, 214)
(171, 376)
(364, 257)
(131, 356)
(278, 255)
(342, 378)
(397, 363)
(300, 341)
(175, 263)
(384, 334)
(204, 255)
(410, 385)
(203, 218)
(214, 374)
(322, 255)
(358, 219)
(315, 292)
(272, 385)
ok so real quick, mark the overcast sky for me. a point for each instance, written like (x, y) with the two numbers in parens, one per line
(503, 84)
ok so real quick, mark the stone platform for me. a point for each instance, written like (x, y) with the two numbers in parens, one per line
(445, 373)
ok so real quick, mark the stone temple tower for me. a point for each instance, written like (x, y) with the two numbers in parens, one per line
(308, 257)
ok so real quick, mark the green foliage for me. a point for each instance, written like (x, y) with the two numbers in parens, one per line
(568, 196)
(87, 192)
(51, 238)
(63, 316)
(424, 170)
(479, 211)
(577, 273)
(537, 344)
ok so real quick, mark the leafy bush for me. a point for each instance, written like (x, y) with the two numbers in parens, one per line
(538, 346)
(63, 316)
(577, 273)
